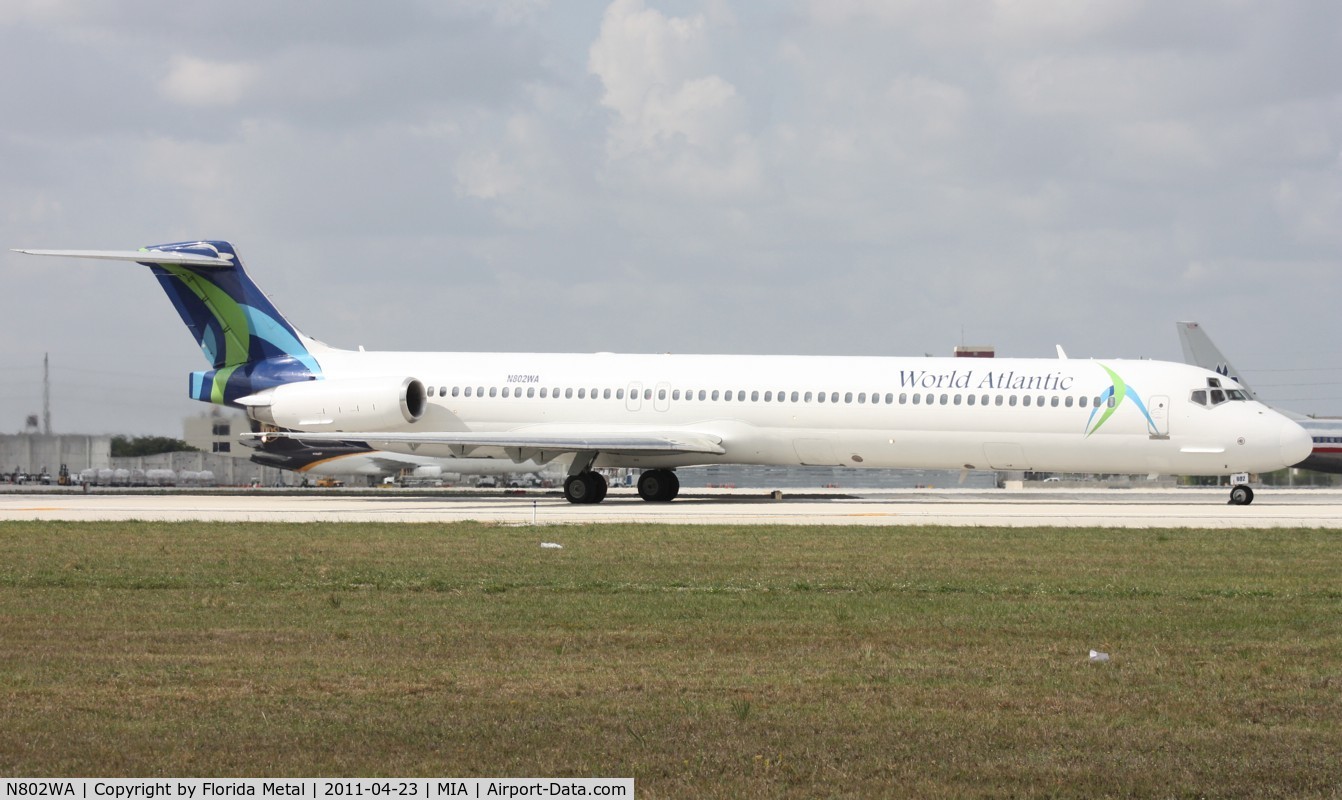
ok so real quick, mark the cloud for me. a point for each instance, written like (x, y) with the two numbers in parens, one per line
(677, 124)
(197, 82)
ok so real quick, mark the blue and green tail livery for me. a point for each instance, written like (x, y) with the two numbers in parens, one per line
(251, 347)
(249, 344)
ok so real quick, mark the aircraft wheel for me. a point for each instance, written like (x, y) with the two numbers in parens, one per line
(1241, 496)
(658, 485)
(577, 490)
(585, 488)
(598, 486)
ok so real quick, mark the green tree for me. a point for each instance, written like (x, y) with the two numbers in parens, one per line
(124, 446)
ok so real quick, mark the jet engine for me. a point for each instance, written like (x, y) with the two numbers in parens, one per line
(351, 404)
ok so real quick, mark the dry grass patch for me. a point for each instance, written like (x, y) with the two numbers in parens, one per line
(715, 661)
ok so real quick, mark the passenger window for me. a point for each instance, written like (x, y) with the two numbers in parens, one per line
(1067, 401)
(848, 397)
(1012, 400)
(619, 394)
(754, 396)
(890, 398)
(582, 394)
(969, 400)
(456, 390)
(703, 393)
(862, 398)
(468, 391)
(543, 393)
(1113, 401)
(917, 398)
(820, 397)
(1082, 402)
(956, 400)
(647, 394)
(903, 398)
(999, 399)
(769, 396)
(793, 397)
(1025, 401)
(715, 394)
(834, 397)
(493, 391)
(945, 399)
(605, 394)
(675, 394)
(531, 392)
(505, 391)
(568, 393)
(1054, 401)
(661, 394)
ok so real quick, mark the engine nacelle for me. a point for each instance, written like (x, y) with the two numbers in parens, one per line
(351, 404)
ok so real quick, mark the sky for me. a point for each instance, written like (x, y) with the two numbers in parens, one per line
(848, 177)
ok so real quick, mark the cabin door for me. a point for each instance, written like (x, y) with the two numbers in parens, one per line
(1159, 406)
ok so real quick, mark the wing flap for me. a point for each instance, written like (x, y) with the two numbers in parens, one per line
(522, 444)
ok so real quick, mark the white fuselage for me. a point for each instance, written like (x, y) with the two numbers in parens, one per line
(1012, 414)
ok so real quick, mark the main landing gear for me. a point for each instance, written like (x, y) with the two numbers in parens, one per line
(654, 485)
(658, 485)
(585, 487)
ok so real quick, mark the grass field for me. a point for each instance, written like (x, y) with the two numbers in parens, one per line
(702, 661)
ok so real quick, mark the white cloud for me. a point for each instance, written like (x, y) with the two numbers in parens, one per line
(677, 124)
(197, 82)
(485, 176)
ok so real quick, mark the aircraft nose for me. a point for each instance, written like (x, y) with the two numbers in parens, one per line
(1296, 443)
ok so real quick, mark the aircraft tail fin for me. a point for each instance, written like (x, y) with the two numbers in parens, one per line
(248, 342)
(1201, 352)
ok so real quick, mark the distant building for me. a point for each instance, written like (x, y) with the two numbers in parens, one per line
(216, 431)
(975, 351)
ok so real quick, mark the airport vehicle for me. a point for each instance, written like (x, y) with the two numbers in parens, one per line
(1326, 455)
(660, 412)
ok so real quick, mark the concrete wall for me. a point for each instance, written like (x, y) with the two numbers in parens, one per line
(30, 452)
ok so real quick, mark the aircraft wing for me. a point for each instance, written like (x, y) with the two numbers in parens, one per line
(536, 444)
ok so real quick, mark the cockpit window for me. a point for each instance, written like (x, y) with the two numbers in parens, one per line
(1214, 395)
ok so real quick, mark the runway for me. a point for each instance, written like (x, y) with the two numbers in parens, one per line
(1185, 507)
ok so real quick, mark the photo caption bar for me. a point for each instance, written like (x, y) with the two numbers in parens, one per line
(313, 788)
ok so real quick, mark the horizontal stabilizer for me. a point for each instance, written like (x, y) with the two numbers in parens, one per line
(139, 256)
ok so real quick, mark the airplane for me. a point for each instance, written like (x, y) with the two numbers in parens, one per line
(1326, 455)
(356, 458)
(662, 411)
